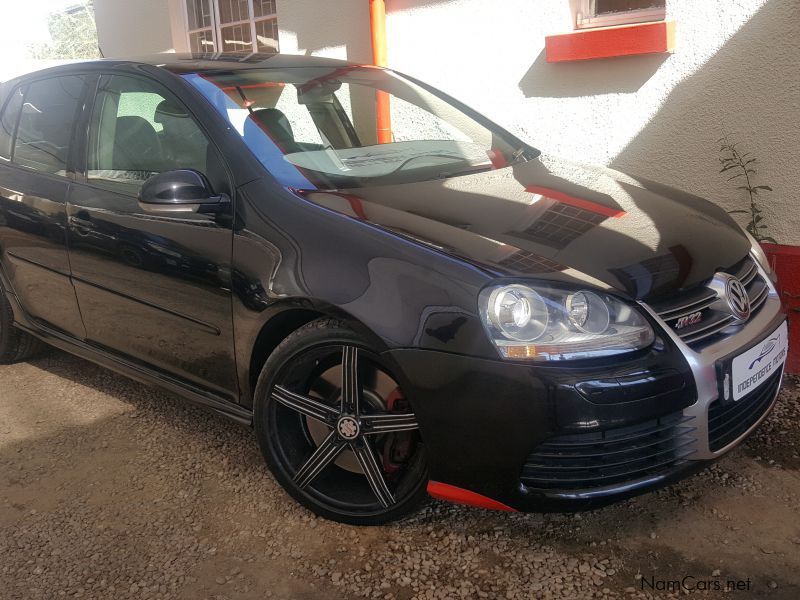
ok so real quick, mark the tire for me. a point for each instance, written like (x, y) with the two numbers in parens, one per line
(15, 344)
(342, 441)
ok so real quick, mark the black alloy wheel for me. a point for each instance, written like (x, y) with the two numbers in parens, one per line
(336, 430)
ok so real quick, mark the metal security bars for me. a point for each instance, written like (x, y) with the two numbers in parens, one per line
(231, 26)
(605, 13)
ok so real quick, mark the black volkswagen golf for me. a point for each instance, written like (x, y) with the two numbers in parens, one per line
(429, 306)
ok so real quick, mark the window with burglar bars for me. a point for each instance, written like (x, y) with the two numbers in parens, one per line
(241, 26)
(603, 13)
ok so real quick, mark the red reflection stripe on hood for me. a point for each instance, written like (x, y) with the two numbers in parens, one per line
(595, 207)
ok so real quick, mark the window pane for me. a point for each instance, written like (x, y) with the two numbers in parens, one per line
(412, 122)
(138, 129)
(9, 121)
(45, 125)
(267, 35)
(140, 104)
(608, 6)
(290, 118)
(236, 38)
(199, 12)
(201, 41)
(263, 8)
(231, 11)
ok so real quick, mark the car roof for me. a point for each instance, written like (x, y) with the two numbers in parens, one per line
(185, 63)
(181, 63)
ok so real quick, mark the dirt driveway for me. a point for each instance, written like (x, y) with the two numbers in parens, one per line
(112, 490)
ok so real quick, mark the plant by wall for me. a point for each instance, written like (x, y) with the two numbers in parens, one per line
(741, 168)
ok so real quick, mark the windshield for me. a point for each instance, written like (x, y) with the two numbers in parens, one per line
(316, 127)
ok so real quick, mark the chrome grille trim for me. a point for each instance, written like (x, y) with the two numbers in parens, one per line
(709, 330)
(713, 321)
(687, 309)
(759, 299)
(749, 274)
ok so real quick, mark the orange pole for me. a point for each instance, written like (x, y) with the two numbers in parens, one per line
(383, 114)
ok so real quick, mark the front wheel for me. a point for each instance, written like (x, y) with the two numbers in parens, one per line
(336, 429)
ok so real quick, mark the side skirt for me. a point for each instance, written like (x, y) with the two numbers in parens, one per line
(130, 369)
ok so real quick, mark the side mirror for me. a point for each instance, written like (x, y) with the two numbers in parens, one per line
(180, 191)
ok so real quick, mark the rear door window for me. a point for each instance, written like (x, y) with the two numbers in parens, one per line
(8, 122)
(46, 123)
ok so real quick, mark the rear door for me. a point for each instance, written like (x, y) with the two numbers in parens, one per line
(152, 288)
(36, 139)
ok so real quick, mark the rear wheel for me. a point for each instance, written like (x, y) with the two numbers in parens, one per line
(336, 429)
(15, 344)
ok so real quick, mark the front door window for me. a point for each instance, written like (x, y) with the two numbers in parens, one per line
(138, 129)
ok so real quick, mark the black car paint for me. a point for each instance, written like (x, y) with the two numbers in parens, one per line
(405, 270)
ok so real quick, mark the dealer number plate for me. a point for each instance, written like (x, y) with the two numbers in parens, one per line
(752, 368)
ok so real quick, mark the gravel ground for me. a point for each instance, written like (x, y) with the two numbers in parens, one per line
(109, 489)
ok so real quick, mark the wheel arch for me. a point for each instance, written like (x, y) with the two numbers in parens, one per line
(288, 318)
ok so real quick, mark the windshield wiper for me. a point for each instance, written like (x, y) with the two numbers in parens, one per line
(468, 171)
(524, 154)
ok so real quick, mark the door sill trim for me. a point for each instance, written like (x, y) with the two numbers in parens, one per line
(137, 372)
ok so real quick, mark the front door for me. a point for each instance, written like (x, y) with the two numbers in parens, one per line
(37, 129)
(151, 287)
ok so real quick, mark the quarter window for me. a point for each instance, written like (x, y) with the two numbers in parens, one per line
(8, 122)
(46, 122)
(601, 13)
(234, 26)
(138, 129)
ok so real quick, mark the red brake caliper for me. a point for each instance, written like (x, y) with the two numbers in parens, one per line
(397, 446)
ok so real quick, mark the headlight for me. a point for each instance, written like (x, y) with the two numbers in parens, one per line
(554, 324)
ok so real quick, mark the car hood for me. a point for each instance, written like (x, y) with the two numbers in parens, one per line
(557, 220)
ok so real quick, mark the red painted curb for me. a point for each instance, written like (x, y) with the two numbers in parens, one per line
(785, 261)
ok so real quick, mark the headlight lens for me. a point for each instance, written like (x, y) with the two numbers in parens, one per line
(553, 324)
(518, 312)
(588, 312)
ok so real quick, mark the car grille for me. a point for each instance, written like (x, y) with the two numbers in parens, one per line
(713, 322)
(727, 421)
(595, 459)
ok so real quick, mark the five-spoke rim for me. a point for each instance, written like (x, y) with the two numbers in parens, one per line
(354, 425)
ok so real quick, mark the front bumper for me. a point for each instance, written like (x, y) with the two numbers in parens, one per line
(544, 438)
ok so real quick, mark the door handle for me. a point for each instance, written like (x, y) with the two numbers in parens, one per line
(83, 226)
(77, 222)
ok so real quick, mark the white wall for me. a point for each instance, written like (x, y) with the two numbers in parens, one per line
(337, 29)
(127, 28)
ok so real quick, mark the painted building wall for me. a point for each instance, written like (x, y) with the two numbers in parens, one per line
(133, 27)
